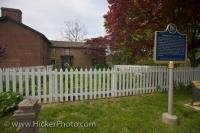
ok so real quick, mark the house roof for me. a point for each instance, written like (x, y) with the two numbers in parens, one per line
(67, 44)
(5, 19)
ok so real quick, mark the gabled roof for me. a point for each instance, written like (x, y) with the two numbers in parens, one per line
(5, 19)
(67, 44)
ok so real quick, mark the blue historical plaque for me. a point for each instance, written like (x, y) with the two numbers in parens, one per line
(170, 45)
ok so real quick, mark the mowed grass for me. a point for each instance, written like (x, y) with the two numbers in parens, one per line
(133, 114)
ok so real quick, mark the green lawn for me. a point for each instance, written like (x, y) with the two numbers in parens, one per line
(133, 114)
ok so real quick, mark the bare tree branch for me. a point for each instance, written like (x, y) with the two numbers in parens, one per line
(73, 31)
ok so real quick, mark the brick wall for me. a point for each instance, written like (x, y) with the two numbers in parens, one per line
(80, 58)
(23, 46)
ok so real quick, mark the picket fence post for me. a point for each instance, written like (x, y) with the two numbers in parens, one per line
(50, 86)
(114, 82)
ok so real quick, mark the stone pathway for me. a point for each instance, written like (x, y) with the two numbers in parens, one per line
(195, 106)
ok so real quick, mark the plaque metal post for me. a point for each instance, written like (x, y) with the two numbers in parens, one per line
(168, 117)
(170, 91)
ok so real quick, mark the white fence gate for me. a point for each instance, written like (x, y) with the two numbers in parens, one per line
(59, 86)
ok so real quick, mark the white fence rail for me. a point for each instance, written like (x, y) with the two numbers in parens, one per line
(49, 67)
(59, 86)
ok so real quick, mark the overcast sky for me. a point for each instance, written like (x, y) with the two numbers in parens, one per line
(48, 16)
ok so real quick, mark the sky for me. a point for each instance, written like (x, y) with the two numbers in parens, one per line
(48, 16)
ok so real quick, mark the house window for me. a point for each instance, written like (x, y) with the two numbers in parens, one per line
(66, 52)
(53, 52)
(67, 60)
(53, 62)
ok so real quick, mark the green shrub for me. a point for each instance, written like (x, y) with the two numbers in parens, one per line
(101, 66)
(180, 87)
(9, 102)
(146, 61)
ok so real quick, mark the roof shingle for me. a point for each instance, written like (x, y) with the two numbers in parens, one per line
(67, 44)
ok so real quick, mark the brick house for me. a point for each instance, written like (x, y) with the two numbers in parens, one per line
(72, 53)
(24, 45)
(28, 47)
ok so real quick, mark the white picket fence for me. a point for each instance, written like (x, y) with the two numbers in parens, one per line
(59, 86)
(48, 67)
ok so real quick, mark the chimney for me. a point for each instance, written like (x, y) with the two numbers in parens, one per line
(15, 14)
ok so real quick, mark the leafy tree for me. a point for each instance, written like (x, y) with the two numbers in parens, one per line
(131, 24)
(96, 47)
(194, 56)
